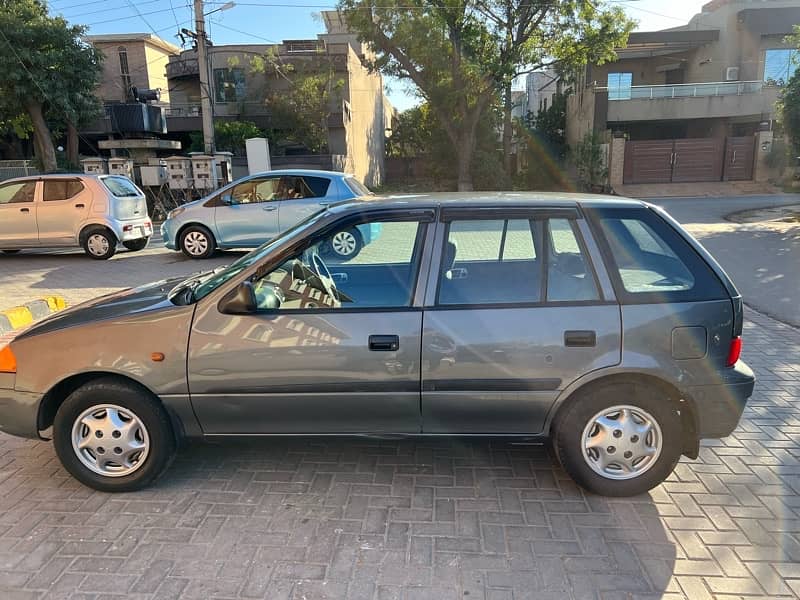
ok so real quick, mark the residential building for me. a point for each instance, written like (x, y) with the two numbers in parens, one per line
(132, 60)
(541, 87)
(359, 116)
(692, 103)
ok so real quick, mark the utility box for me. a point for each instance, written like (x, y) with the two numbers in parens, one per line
(95, 166)
(153, 176)
(204, 172)
(257, 155)
(121, 166)
(179, 172)
(224, 162)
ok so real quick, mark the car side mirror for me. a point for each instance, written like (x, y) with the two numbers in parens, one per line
(239, 301)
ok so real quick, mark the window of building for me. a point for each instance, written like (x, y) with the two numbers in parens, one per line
(229, 85)
(61, 189)
(124, 71)
(619, 86)
(780, 64)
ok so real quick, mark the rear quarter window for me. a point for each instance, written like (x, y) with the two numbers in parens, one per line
(121, 187)
(650, 261)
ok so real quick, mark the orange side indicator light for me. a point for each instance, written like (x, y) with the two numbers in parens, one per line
(157, 356)
(8, 362)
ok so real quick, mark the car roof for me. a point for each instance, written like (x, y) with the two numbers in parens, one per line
(58, 176)
(302, 172)
(490, 199)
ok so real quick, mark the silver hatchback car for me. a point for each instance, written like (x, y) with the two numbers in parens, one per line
(598, 323)
(94, 212)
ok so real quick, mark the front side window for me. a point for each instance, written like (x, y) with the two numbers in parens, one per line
(256, 190)
(14, 193)
(780, 64)
(229, 85)
(619, 86)
(382, 275)
(61, 189)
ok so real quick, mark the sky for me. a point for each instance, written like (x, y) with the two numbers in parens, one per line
(270, 21)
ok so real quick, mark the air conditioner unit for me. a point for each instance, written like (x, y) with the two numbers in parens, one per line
(732, 74)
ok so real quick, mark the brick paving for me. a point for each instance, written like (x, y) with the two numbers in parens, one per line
(403, 519)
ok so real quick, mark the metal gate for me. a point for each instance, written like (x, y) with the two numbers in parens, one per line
(739, 155)
(688, 160)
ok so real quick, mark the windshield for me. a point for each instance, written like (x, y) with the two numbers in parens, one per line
(121, 187)
(217, 279)
(358, 188)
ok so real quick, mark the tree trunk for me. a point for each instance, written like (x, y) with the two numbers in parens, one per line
(72, 146)
(464, 149)
(508, 106)
(42, 141)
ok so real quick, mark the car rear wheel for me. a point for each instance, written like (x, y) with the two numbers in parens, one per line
(99, 244)
(618, 439)
(345, 244)
(197, 242)
(136, 245)
(113, 436)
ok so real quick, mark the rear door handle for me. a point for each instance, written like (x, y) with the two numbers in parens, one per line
(24, 210)
(269, 208)
(81, 206)
(580, 338)
(384, 343)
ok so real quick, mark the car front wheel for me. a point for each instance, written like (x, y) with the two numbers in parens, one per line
(113, 436)
(136, 245)
(618, 439)
(197, 242)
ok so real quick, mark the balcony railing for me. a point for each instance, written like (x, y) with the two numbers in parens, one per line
(184, 67)
(683, 90)
(183, 110)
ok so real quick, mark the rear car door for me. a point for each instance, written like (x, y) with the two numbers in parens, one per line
(315, 358)
(516, 312)
(18, 215)
(304, 196)
(64, 206)
(248, 215)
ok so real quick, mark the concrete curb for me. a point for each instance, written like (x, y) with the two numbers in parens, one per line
(22, 316)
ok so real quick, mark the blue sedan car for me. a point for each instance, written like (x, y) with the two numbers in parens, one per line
(251, 210)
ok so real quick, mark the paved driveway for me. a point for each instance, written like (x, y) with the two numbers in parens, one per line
(411, 519)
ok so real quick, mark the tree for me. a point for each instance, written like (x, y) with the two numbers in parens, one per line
(551, 123)
(461, 53)
(46, 72)
(304, 107)
(231, 136)
(789, 103)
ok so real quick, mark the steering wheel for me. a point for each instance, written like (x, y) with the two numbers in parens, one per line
(324, 274)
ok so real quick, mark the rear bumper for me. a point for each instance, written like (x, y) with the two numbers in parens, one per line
(19, 412)
(133, 229)
(719, 407)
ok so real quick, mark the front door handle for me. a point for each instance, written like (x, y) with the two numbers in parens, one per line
(384, 343)
(24, 210)
(268, 208)
(580, 338)
(79, 206)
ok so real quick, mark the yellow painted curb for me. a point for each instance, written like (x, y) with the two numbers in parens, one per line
(19, 316)
(55, 303)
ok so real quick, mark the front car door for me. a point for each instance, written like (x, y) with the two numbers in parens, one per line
(516, 313)
(64, 206)
(248, 214)
(18, 215)
(331, 348)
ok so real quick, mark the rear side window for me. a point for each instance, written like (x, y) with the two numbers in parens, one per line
(652, 261)
(358, 188)
(61, 189)
(121, 187)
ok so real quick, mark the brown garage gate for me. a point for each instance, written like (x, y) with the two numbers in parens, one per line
(688, 160)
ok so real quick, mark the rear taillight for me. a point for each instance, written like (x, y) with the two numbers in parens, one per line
(734, 351)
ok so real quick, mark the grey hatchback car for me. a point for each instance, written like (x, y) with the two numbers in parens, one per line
(598, 323)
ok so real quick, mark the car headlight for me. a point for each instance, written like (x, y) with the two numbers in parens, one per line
(175, 212)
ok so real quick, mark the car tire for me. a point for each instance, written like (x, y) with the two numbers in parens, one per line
(9, 251)
(197, 241)
(135, 426)
(611, 452)
(99, 244)
(346, 244)
(136, 245)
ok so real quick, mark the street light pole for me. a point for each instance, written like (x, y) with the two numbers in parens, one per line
(205, 88)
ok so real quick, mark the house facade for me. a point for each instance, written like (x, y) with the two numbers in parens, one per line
(692, 103)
